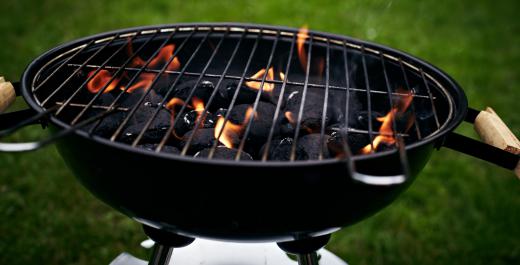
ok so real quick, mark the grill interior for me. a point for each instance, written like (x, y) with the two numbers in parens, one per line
(265, 94)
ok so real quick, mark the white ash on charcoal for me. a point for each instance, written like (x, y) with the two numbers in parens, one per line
(143, 114)
(222, 152)
(312, 145)
(203, 91)
(355, 141)
(166, 149)
(190, 119)
(280, 150)
(262, 122)
(203, 138)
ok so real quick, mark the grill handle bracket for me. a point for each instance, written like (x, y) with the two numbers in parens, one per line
(499, 145)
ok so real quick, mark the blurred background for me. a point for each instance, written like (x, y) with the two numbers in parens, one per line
(459, 210)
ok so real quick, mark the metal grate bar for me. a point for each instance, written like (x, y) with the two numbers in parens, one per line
(66, 62)
(416, 124)
(115, 75)
(237, 90)
(192, 92)
(171, 88)
(210, 100)
(257, 99)
(347, 91)
(389, 89)
(80, 105)
(434, 110)
(280, 98)
(369, 99)
(131, 82)
(279, 82)
(150, 87)
(66, 81)
(82, 86)
(325, 101)
(302, 104)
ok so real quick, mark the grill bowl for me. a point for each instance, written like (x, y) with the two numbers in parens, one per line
(245, 201)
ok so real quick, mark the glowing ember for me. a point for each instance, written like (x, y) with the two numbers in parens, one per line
(282, 76)
(231, 130)
(386, 131)
(303, 34)
(100, 80)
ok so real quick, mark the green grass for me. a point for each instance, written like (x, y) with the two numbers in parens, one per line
(459, 211)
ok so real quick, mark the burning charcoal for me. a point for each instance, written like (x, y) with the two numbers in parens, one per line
(203, 92)
(129, 100)
(203, 138)
(189, 120)
(246, 95)
(261, 123)
(312, 111)
(109, 123)
(155, 131)
(286, 128)
(280, 150)
(356, 141)
(222, 152)
(310, 144)
(165, 149)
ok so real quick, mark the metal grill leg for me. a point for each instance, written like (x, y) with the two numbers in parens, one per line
(308, 259)
(161, 255)
(165, 242)
(305, 249)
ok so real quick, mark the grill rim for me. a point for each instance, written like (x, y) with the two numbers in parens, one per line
(455, 94)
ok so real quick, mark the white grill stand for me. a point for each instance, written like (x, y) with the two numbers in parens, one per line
(222, 253)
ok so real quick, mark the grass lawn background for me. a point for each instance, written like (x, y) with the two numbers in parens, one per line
(459, 210)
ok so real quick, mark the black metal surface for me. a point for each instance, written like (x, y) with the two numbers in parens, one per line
(9, 120)
(249, 200)
(481, 150)
(304, 246)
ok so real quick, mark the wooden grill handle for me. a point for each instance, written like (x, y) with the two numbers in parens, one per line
(493, 131)
(7, 94)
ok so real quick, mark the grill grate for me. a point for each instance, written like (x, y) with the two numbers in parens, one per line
(62, 86)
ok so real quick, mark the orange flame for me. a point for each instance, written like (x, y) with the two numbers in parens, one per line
(144, 80)
(100, 80)
(290, 117)
(282, 76)
(198, 105)
(231, 130)
(303, 34)
(174, 102)
(386, 132)
(268, 87)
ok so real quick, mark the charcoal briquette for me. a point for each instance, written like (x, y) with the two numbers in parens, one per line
(312, 145)
(166, 149)
(280, 150)
(222, 152)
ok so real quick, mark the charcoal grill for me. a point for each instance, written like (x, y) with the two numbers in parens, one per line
(313, 135)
